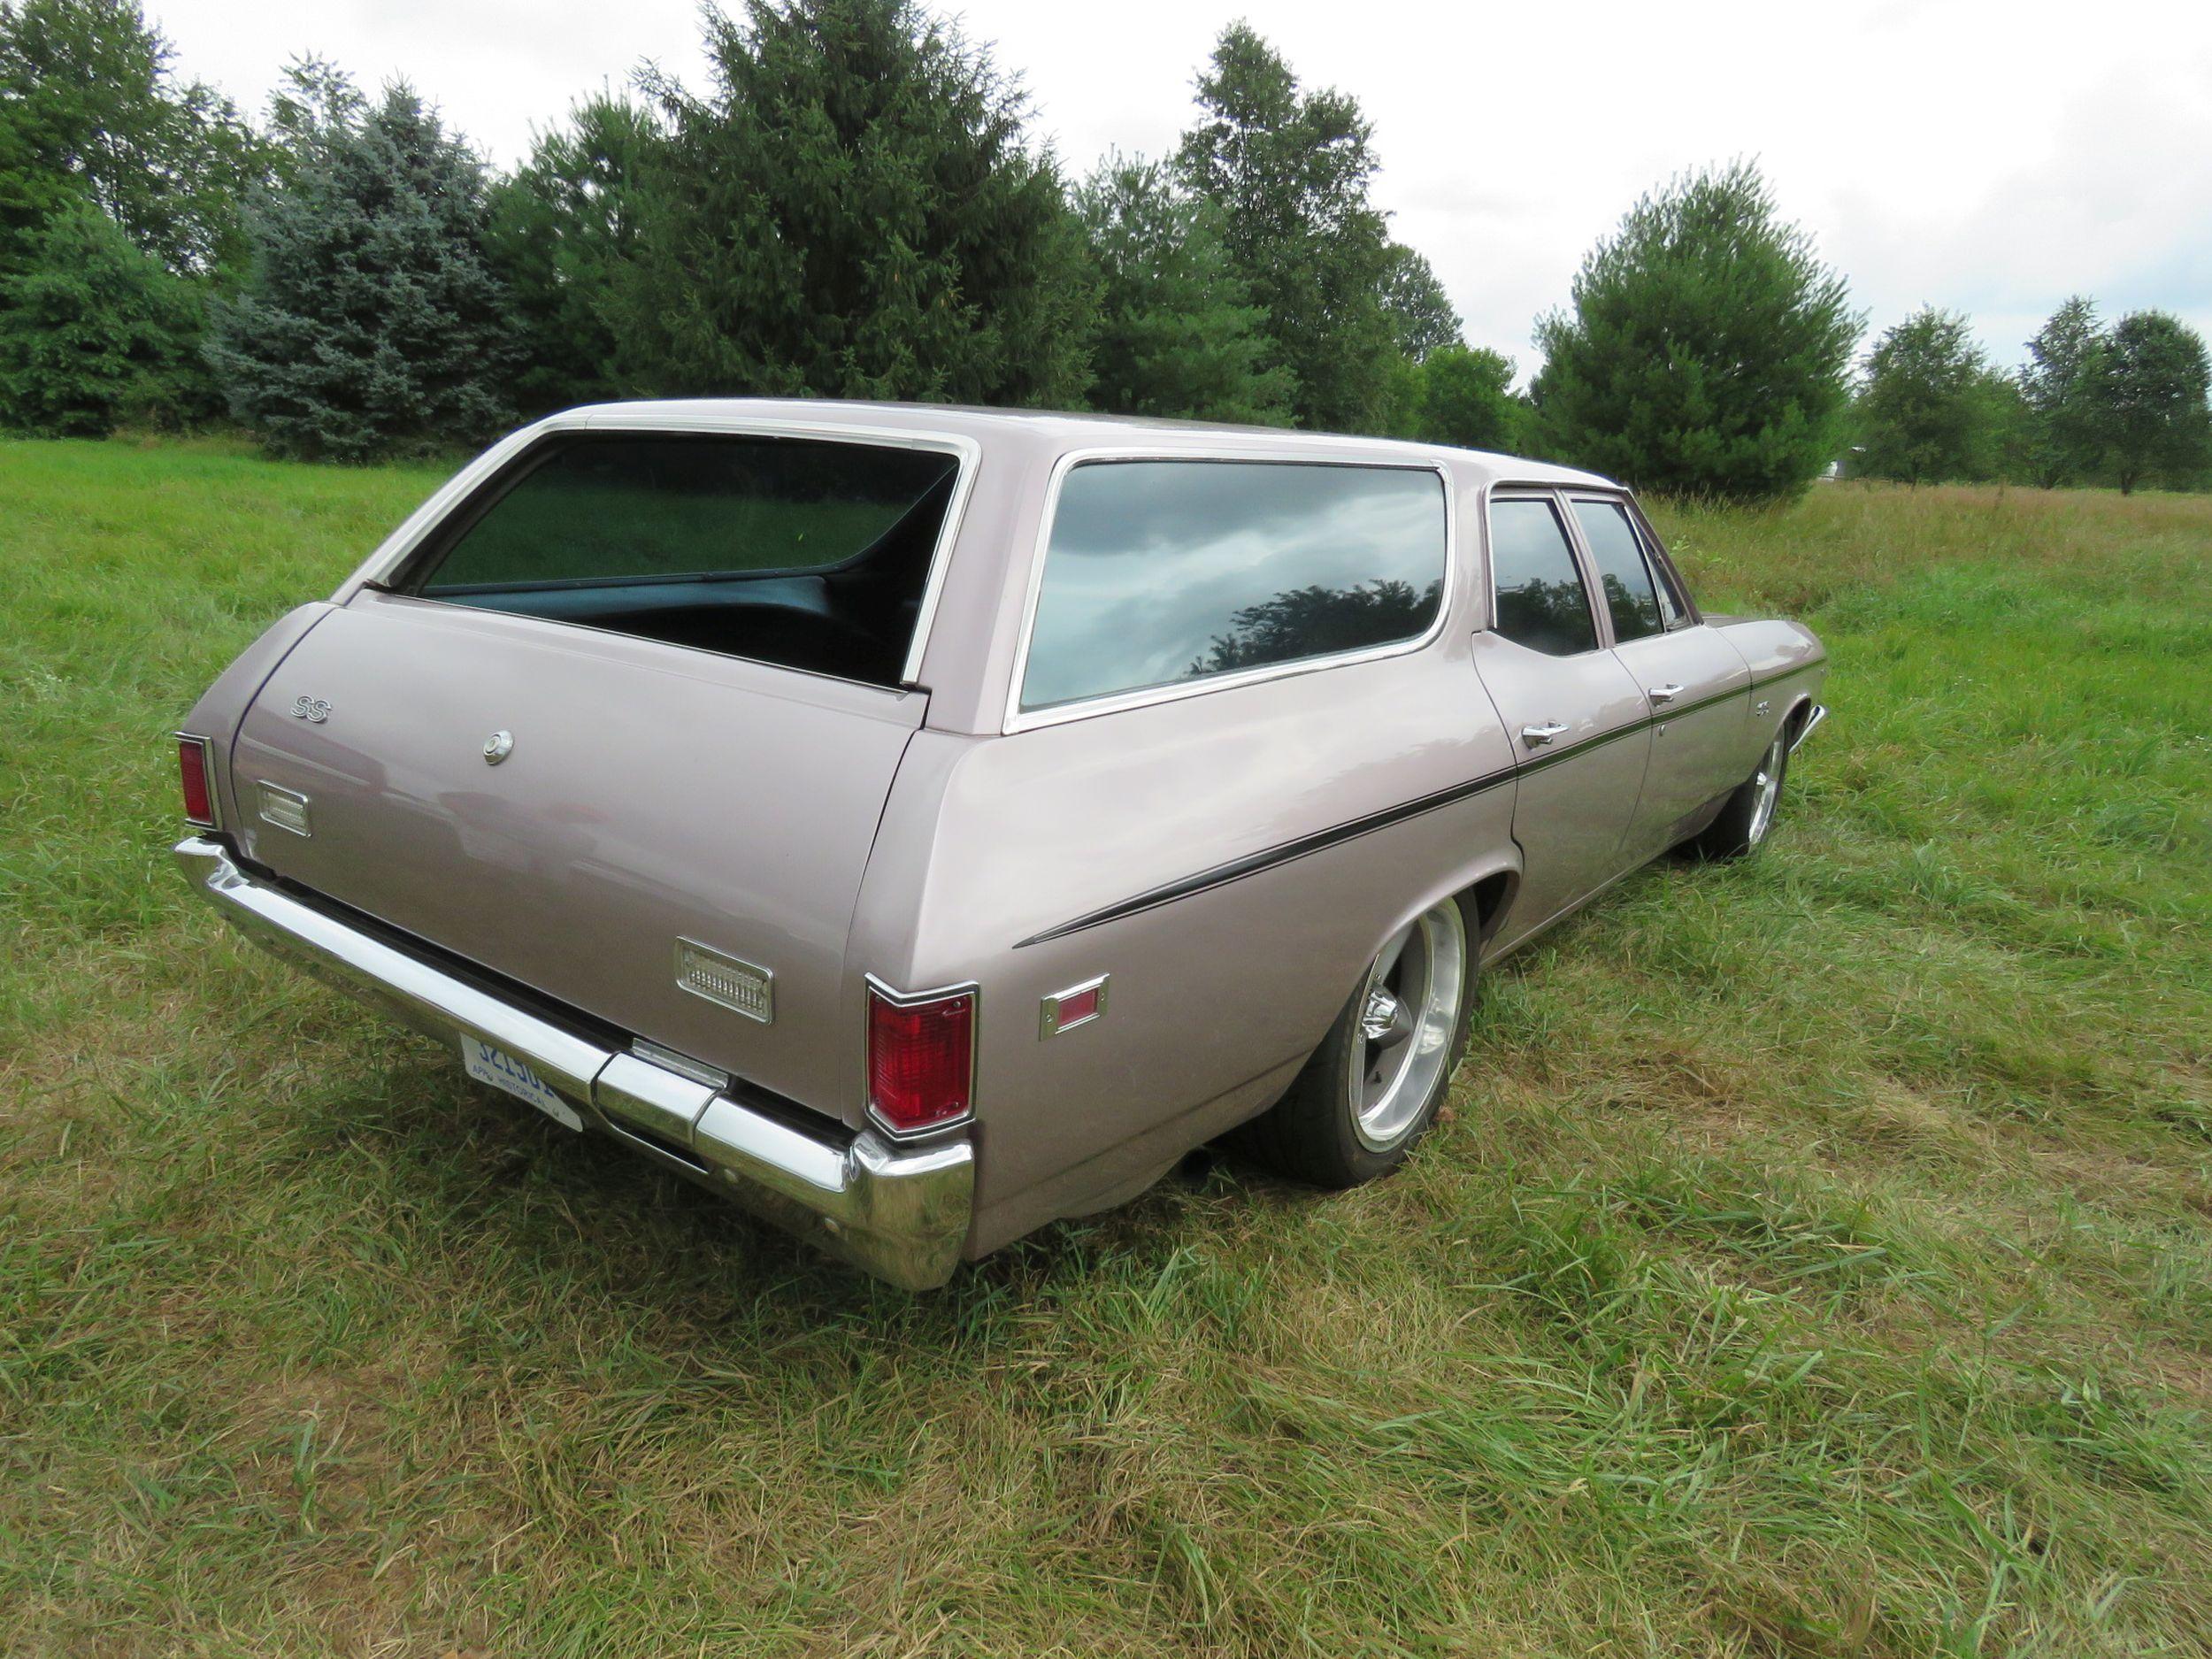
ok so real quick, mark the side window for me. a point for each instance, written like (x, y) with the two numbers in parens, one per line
(1631, 596)
(1161, 571)
(1541, 602)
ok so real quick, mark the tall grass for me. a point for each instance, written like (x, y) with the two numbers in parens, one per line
(1816, 1261)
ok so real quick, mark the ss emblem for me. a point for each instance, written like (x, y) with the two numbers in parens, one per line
(312, 709)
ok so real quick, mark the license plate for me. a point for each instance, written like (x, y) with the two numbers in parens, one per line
(502, 1070)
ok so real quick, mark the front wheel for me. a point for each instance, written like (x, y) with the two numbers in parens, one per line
(1374, 1084)
(1744, 822)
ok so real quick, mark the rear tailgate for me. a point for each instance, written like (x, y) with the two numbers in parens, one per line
(647, 796)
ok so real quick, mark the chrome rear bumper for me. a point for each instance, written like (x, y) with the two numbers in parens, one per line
(902, 1213)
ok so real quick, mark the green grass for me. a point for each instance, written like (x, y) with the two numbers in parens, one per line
(1817, 1259)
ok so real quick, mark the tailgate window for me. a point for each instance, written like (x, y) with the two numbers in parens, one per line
(804, 553)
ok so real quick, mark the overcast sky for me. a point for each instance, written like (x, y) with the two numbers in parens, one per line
(1990, 157)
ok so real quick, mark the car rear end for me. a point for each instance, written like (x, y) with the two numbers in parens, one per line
(581, 777)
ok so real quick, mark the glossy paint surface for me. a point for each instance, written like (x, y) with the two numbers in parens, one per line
(1230, 858)
(651, 795)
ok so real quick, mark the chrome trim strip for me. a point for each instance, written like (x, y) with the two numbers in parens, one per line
(1018, 720)
(902, 1215)
(1820, 713)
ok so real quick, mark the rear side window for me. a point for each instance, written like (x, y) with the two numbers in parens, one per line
(1161, 571)
(798, 552)
(1541, 602)
(1631, 597)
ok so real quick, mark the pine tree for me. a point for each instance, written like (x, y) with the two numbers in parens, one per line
(1420, 313)
(95, 332)
(1925, 413)
(854, 212)
(2150, 395)
(562, 229)
(373, 322)
(1290, 172)
(1175, 334)
(1706, 351)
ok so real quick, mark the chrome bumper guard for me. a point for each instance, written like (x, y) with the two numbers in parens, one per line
(1812, 724)
(899, 1212)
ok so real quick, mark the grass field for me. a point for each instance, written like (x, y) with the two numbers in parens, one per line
(1817, 1259)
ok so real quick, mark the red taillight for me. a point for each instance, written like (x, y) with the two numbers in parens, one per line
(199, 797)
(920, 1060)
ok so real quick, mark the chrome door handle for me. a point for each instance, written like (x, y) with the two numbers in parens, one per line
(1663, 694)
(1537, 736)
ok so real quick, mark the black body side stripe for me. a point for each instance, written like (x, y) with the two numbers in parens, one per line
(1267, 858)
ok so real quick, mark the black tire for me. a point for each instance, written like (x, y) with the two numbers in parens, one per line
(1743, 827)
(1314, 1133)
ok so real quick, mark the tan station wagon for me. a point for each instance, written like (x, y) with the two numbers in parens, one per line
(922, 823)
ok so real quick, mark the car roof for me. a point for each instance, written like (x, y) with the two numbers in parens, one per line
(1064, 432)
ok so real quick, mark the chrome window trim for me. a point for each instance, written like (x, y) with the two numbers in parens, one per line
(214, 819)
(872, 986)
(1573, 495)
(1018, 720)
(1555, 497)
(457, 491)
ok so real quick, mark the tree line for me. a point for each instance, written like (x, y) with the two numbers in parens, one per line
(856, 207)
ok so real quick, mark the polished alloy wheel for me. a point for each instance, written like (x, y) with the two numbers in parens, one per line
(1766, 788)
(1409, 1007)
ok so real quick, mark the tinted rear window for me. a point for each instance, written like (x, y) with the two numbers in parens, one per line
(794, 551)
(1161, 571)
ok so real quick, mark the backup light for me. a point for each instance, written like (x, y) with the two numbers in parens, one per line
(921, 1059)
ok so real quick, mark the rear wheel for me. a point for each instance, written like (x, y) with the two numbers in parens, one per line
(1373, 1087)
(1743, 824)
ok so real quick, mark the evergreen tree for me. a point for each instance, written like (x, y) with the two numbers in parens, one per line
(854, 212)
(1175, 336)
(1707, 349)
(2059, 386)
(1923, 415)
(91, 108)
(562, 229)
(372, 322)
(2151, 390)
(1290, 172)
(93, 332)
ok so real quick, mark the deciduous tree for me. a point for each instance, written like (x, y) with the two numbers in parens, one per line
(1290, 170)
(2151, 389)
(1925, 412)
(2062, 439)
(94, 332)
(1706, 350)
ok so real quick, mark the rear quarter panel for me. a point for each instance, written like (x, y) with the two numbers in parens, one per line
(1217, 996)
(1788, 664)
